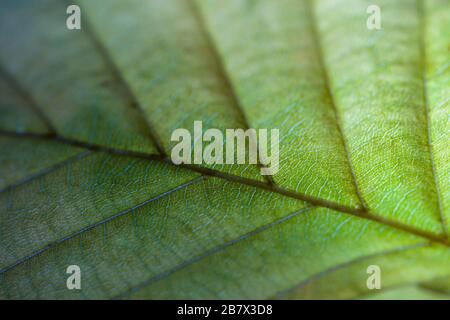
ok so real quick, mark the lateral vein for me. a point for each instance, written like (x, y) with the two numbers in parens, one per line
(422, 17)
(319, 49)
(96, 224)
(224, 74)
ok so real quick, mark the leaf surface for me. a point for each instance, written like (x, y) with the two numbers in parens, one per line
(85, 132)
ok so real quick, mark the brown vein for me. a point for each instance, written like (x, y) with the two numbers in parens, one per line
(202, 170)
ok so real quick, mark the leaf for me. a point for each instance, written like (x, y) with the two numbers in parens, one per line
(85, 127)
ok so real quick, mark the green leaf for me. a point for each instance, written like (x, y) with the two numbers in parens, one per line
(85, 126)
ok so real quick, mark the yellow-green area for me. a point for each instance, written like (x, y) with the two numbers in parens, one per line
(86, 118)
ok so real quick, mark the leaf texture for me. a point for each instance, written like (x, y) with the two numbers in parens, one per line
(85, 126)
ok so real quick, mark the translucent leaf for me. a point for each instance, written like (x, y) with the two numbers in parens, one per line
(86, 178)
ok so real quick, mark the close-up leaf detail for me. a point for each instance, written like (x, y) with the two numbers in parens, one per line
(86, 177)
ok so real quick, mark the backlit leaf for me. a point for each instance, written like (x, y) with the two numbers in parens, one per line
(86, 179)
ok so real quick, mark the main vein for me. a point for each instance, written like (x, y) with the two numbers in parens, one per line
(257, 184)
